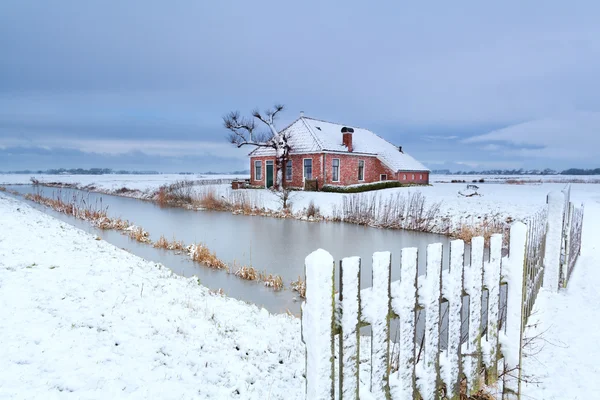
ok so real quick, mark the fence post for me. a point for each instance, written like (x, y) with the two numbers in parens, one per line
(491, 279)
(430, 291)
(452, 288)
(554, 240)
(318, 325)
(564, 268)
(350, 334)
(404, 304)
(379, 318)
(513, 272)
(473, 286)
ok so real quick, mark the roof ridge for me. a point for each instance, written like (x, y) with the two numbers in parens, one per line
(337, 123)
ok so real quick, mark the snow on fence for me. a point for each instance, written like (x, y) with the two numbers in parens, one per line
(427, 370)
(563, 239)
(534, 259)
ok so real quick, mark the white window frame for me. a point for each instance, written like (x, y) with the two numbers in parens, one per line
(289, 177)
(338, 170)
(381, 177)
(403, 177)
(363, 170)
(304, 168)
(421, 177)
(258, 163)
(413, 177)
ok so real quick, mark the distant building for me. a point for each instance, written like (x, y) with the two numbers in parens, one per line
(338, 155)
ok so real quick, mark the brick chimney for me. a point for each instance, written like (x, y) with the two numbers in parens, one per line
(347, 137)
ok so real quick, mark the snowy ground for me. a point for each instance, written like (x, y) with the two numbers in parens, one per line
(113, 182)
(563, 362)
(83, 319)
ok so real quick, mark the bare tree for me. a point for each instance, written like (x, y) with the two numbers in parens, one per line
(243, 134)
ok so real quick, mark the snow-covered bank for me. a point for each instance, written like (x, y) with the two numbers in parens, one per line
(562, 360)
(81, 318)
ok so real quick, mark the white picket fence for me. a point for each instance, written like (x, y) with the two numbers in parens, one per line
(563, 239)
(325, 315)
(541, 253)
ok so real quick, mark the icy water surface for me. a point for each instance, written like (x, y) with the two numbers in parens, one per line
(278, 246)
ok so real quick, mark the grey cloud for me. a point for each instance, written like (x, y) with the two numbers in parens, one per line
(153, 70)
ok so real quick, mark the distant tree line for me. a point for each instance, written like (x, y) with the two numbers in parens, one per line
(521, 171)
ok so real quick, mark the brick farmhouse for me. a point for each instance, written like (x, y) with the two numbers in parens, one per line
(336, 155)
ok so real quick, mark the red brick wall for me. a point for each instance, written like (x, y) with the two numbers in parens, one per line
(262, 181)
(348, 170)
(414, 177)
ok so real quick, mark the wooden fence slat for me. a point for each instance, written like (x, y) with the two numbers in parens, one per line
(349, 347)
(513, 271)
(318, 325)
(428, 369)
(379, 318)
(404, 304)
(473, 286)
(452, 288)
(491, 279)
(552, 248)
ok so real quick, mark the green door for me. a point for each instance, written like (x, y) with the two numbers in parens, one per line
(269, 174)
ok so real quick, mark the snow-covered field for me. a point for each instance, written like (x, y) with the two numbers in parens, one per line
(516, 178)
(113, 182)
(81, 318)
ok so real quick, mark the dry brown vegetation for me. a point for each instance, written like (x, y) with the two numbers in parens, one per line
(270, 280)
(163, 243)
(247, 273)
(202, 254)
(139, 234)
(400, 211)
(300, 287)
(97, 215)
(484, 228)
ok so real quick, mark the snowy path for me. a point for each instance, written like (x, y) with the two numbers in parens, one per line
(565, 363)
(80, 318)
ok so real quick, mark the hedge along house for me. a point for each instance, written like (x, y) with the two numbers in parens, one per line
(336, 155)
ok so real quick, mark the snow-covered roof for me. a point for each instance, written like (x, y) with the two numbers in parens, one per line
(308, 135)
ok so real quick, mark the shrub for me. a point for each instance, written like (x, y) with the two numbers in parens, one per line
(364, 188)
(313, 211)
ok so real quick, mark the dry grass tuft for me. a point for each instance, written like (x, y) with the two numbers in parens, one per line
(2, 189)
(139, 234)
(202, 254)
(270, 280)
(163, 243)
(300, 287)
(485, 228)
(247, 273)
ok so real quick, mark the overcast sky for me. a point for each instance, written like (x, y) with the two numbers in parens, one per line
(144, 84)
